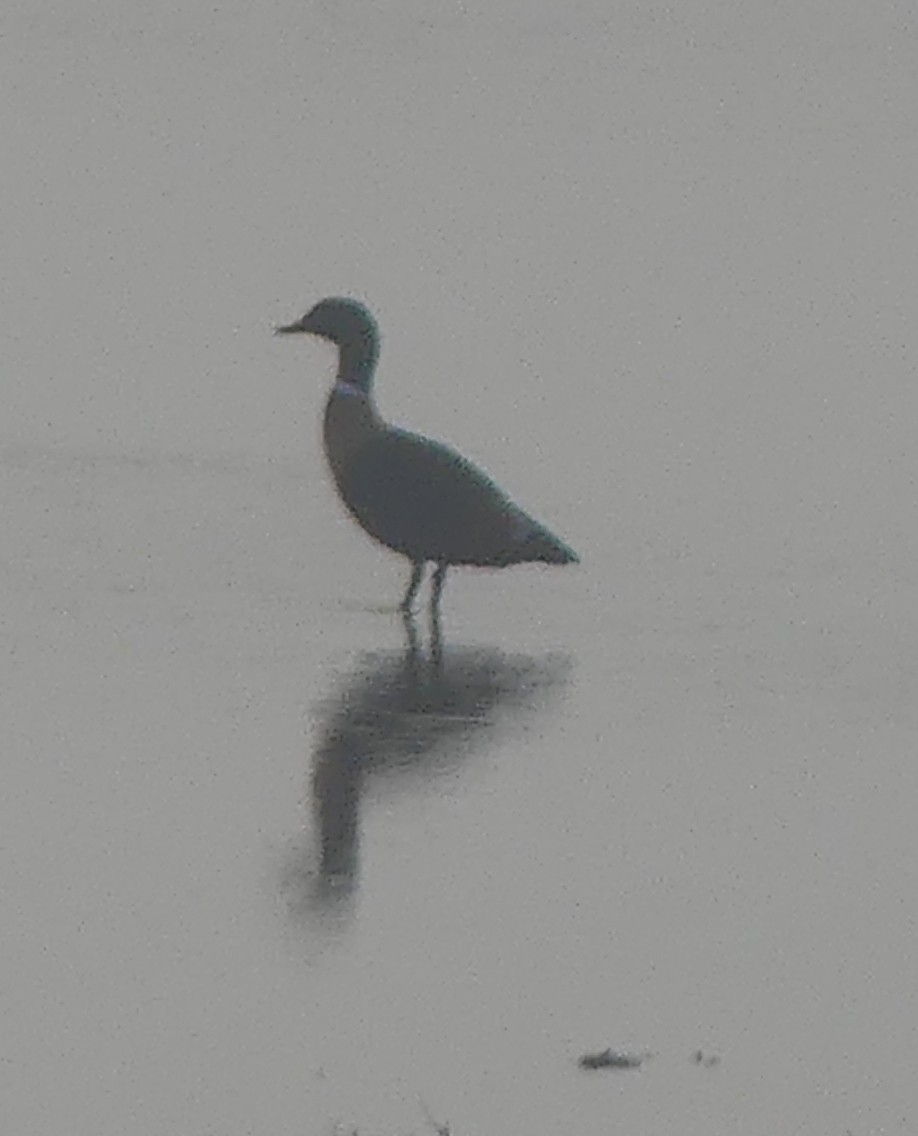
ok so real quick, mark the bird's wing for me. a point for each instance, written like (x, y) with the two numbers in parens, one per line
(427, 501)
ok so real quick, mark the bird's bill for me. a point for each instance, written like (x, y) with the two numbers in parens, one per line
(290, 328)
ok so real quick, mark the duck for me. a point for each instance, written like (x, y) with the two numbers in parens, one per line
(416, 496)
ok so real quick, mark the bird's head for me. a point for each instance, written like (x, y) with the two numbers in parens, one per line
(347, 323)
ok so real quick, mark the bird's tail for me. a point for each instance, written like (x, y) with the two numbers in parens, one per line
(544, 546)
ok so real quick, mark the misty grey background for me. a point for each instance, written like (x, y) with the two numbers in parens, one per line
(654, 267)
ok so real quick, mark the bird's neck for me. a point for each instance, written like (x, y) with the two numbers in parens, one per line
(350, 416)
(357, 362)
(351, 420)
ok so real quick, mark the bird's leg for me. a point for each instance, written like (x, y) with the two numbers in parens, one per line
(417, 574)
(439, 579)
(412, 651)
(436, 639)
(436, 643)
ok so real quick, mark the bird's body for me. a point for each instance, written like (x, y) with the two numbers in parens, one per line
(416, 496)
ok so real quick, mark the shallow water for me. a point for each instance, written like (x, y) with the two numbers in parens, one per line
(272, 863)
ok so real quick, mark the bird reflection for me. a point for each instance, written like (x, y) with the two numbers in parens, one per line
(402, 715)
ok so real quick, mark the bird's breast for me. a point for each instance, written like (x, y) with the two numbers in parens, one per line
(351, 422)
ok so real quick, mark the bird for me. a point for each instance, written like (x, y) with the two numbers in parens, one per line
(416, 496)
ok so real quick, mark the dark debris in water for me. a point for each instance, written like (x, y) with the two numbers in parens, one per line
(707, 1060)
(610, 1059)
